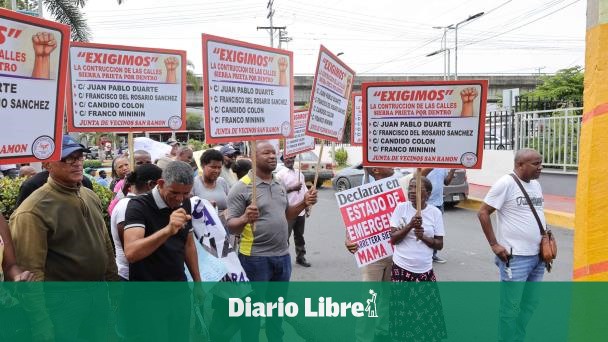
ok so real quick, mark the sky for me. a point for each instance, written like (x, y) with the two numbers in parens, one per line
(375, 37)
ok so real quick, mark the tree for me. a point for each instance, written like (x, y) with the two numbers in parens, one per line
(565, 85)
(64, 11)
(194, 121)
(191, 78)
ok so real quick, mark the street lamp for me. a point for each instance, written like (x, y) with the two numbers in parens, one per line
(444, 48)
(446, 72)
(455, 28)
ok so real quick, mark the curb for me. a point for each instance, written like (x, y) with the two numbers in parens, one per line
(553, 217)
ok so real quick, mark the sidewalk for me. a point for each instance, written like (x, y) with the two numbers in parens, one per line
(559, 210)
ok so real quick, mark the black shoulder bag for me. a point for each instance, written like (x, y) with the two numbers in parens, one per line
(548, 245)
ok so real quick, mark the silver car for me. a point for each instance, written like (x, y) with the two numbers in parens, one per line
(306, 162)
(456, 191)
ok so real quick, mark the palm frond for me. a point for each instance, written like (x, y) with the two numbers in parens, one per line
(191, 78)
(68, 12)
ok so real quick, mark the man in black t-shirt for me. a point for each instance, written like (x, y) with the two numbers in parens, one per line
(158, 239)
(158, 229)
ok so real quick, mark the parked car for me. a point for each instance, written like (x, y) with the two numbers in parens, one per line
(456, 191)
(94, 154)
(307, 163)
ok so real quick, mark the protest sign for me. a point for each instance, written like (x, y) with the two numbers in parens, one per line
(222, 262)
(366, 211)
(125, 88)
(356, 134)
(331, 91)
(424, 124)
(300, 142)
(33, 64)
(156, 149)
(248, 93)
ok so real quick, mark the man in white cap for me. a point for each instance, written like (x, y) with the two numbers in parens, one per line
(162, 162)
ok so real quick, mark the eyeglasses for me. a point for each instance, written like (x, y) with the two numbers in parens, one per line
(71, 160)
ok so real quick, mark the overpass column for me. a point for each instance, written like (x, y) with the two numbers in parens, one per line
(591, 224)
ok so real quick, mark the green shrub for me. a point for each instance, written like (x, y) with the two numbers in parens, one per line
(105, 195)
(92, 164)
(341, 156)
(197, 145)
(9, 190)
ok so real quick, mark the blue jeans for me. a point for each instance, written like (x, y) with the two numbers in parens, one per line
(519, 295)
(260, 270)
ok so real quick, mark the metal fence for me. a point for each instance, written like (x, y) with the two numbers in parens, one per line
(554, 133)
(499, 130)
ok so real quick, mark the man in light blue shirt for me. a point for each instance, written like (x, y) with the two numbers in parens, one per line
(438, 178)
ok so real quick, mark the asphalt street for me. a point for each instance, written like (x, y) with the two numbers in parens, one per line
(465, 247)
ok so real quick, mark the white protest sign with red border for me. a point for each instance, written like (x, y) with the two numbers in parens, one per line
(366, 211)
(126, 88)
(356, 122)
(300, 142)
(33, 65)
(424, 124)
(248, 92)
(331, 91)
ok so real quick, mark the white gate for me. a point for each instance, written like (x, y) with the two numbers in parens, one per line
(554, 133)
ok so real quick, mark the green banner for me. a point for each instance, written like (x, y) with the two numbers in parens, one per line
(304, 311)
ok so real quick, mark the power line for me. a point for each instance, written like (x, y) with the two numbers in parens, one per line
(520, 26)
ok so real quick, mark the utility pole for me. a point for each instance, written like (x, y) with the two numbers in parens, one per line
(283, 38)
(271, 28)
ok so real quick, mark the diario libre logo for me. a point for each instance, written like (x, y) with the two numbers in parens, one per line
(322, 307)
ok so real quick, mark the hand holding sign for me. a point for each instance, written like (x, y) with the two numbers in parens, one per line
(310, 198)
(416, 223)
(178, 220)
(251, 214)
(351, 246)
(468, 95)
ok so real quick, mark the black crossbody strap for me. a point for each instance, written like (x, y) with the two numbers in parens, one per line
(521, 187)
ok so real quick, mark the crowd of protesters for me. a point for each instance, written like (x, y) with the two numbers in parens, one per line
(57, 230)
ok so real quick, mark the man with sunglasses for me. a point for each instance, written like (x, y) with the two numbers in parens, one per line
(59, 234)
(39, 179)
(59, 231)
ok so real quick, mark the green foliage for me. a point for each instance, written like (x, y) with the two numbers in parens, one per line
(341, 156)
(69, 12)
(92, 164)
(555, 139)
(565, 85)
(191, 78)
(9, 190)
(194, 121)
(197, 145)
(105, 195)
